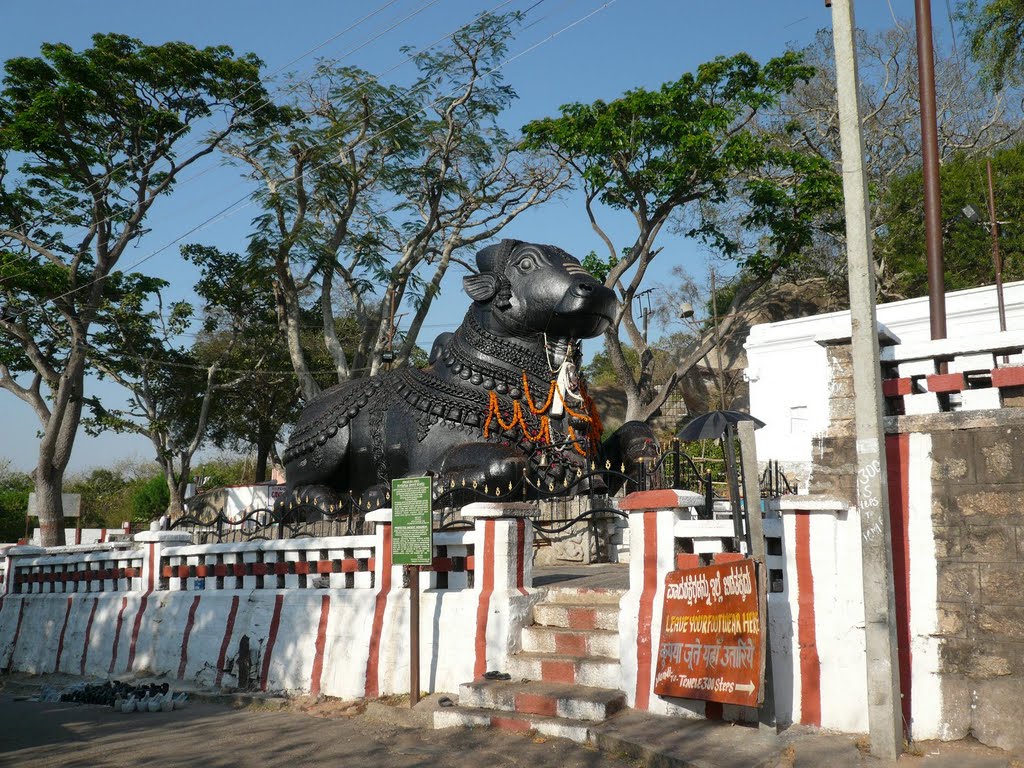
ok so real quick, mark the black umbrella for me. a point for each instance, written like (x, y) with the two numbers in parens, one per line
(712, 425)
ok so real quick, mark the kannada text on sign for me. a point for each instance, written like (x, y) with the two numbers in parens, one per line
(711, 635)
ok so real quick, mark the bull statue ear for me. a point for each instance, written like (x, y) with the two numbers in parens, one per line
(480, 287)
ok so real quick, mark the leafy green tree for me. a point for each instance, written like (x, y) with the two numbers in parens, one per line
(150, 499)
(689, 155)
(996, 30)
(171, 389)
(240, 330)
(967, 245)
(972, 122)
(372, 193)
(14, 490)
(89, 141)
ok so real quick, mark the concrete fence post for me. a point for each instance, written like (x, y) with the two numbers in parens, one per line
(503, 576)
(652, 519)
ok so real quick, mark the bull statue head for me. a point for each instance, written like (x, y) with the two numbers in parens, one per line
(525, 289)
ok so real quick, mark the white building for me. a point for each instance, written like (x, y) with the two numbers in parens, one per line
(788, 372)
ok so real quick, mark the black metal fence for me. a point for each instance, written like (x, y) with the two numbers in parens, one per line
(565, 501)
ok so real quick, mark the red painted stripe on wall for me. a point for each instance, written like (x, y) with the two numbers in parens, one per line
(897, 458)
(483, 607)
(373, 658)
(229, 627)
(17, 631)
(60, 641)
(521, 555)
(184, 640)
(137, 625)
(117, 635)
(807, 640)
(275, 623)
(644, 639)
(88, 634)
(318, 649)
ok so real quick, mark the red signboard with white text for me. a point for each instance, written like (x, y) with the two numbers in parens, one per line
(711, 635)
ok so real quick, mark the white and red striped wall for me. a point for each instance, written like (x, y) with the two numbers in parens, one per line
(816, 618)
(338, 626)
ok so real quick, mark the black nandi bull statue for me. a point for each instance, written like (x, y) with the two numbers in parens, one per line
(500, 396)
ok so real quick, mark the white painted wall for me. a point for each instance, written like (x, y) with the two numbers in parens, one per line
(788, 371)
(141, 627)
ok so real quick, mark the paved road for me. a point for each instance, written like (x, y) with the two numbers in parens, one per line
(36, 735)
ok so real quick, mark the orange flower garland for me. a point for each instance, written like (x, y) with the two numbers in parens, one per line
(543, 433)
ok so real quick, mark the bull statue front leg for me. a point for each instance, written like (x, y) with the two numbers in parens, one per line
(481, 465)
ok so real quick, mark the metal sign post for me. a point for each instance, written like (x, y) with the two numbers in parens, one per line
(412, 545)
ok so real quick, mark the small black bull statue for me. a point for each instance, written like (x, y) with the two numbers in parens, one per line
(500, 399)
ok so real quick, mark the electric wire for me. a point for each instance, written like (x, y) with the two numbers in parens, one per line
(247, 200)
(346, 92)
(243, 113)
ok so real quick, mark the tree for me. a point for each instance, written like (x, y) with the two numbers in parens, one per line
(150, 500)
(88, 142)
(966, 245)
(171, 390)
(971, 124)
(996, 30)
(688, 155)
(14, 490)
(240, 330)
(372, 170)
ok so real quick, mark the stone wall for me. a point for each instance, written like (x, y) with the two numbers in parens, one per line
(956, 494)
(978, 518)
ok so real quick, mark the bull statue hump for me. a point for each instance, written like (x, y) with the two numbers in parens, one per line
(500, 397)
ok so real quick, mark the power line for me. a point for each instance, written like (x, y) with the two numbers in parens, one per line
(245, 201)
(294, 86)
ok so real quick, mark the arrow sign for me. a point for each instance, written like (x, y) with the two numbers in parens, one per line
(711, 638)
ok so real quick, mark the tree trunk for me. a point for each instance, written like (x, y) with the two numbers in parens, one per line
(49, 506)
(262, 454)
(60, 429)
(176, 496)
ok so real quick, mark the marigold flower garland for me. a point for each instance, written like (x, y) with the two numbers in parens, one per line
(543, 433)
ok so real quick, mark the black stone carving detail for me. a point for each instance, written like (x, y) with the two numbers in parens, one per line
(531, 306)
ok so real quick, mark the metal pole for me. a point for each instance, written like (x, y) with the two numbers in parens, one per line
(414, 635)
(734, 486)
(930, 156)
(885, 720)
(997, 261)
(718, 342)
(676, 451)
(755, 540)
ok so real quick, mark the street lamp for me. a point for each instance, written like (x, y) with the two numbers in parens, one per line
(972, 215)
(645, 312)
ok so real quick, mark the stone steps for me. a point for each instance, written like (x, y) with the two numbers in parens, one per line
(468, 717)
(577, 615)
(574, 642)
(559, 681)
(595, 671)
(575, 702)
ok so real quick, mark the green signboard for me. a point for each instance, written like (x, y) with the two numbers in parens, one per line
(411, 526)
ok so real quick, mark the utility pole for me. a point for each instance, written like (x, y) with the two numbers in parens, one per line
(645, 311)
(718, 342)
(930, 158)
(885, 720)
(997, 260)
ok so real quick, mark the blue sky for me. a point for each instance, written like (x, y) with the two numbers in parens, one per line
(572, 50)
